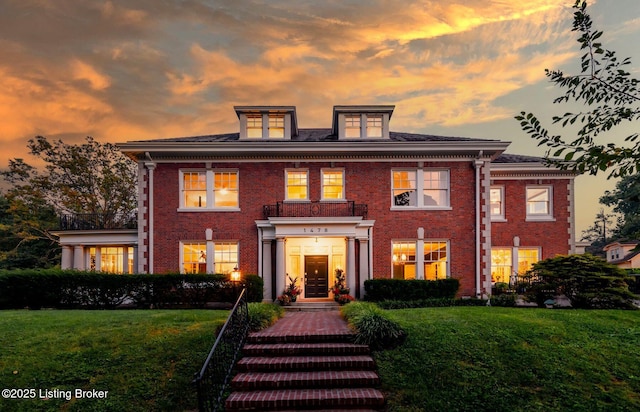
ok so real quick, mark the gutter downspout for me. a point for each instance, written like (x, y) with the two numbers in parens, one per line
(478, 164)
(150, 166)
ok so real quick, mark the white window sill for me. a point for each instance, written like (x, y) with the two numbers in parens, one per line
(333, 200)
(413, 208)
(204, 209)
(540, 219)
(498, 219)
(297, 201)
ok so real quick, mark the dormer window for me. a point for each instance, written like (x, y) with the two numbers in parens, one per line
(362, 122)
(267, 122)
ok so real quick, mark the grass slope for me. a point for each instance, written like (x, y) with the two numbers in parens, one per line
(500, 359)
(145, 359)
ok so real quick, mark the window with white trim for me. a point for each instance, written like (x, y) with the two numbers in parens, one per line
(374, 125)
(276, 125)
(113, 259)
(433, 184)
(496, 202)
(297, 184)
(254, 126)
(332, 184)
(404, 260)
(501, 265)
(209, 189)
(526, 258)
(539, 203)
(352, 125)
(435, 260)
(194, 257)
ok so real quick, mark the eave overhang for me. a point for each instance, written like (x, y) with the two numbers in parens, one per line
(305, 150)
(529, 169)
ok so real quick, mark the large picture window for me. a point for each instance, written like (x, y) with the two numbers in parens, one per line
(209, 189)
(433, 185)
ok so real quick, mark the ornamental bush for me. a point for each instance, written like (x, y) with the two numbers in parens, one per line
(372, 325)
(586, 280)
(262, 315)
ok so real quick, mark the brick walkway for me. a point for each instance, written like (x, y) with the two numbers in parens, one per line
(303, 324)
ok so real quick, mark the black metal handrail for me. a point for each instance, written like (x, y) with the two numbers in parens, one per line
(214, 377)
(96, 221)
(315, 209)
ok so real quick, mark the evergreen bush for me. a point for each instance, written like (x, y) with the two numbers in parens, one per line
(377, 290)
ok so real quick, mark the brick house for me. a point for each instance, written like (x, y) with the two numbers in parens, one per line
(276, 200)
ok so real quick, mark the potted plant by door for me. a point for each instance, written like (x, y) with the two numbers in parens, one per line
(293, 290)
(340, 290)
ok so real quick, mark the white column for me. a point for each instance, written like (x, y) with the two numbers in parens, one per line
(98, 260)
(364, 264)
(210, 253)
(420, 254)
(351, 264)
(125, 259)
(280, 266)
(151, 166)
(135, 259)
(267, 275)
(67, 258)
(78, 257)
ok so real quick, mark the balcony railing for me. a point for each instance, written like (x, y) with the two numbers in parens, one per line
(315, 209)
(97, 221)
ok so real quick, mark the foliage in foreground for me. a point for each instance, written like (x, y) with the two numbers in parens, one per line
(377, 290)
(586, 280)
(372, 325)
(513, 360)
(145, 359)
(262, 315)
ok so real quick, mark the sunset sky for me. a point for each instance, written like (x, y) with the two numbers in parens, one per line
(146, 69)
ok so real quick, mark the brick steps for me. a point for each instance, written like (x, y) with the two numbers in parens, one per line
(304, 399)
(315, 379)
(306, 361)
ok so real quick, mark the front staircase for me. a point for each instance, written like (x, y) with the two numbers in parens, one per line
(305, 362)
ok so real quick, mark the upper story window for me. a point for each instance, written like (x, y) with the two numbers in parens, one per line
(297, 184)
(352, 125)
(362, 122)
(332, 184)
(496, 202)
(539, 203)
(209, 190)
(374, 125)
(267, 122)
(421, 188)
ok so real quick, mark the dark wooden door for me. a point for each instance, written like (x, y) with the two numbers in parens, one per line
(316, 276)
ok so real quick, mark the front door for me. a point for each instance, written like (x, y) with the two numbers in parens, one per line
(316, 276)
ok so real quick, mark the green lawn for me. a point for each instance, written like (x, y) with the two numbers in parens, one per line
(145, 359)
(503, 359)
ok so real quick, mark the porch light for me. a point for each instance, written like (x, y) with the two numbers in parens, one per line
(235, 274)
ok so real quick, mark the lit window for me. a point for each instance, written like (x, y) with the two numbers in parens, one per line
(332, 184)
(501, 265)
(404, 260)
(539, 202)
(526, 258)
(112, 259)
(433, 184)
(254, 125)
(225, 189)
(194, 188)
(220, 186)
(194, 258)
(496, 202)
(297, 184)
(276, 125)
(404, 188)
(352, 125)
(435, 260)
(374, 126)
(225, 257)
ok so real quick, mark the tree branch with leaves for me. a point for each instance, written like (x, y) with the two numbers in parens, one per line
(612, 95)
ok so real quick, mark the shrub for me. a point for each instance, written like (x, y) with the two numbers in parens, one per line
(373, 327)
(263, 315)
(255, 288)
(505, 300)
(430, 303)
(377, 290)
(586, 280)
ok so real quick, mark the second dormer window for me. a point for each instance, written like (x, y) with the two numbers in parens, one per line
(276, 125)
(374, 126)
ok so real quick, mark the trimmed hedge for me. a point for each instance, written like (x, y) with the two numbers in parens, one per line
(67, 289)
(378, 290)
(430, 303)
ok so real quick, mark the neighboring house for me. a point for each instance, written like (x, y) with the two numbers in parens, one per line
(273, 199)
(624, 253)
